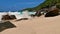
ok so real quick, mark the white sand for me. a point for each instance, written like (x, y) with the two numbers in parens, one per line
(38, 25)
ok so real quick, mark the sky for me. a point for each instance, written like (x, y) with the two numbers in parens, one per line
(12, 5)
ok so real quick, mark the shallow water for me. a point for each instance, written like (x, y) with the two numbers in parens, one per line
(28, 13)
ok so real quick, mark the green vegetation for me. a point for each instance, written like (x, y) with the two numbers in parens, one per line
(29, 9)
(46, 4)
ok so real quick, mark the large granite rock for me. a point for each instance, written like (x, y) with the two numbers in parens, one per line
(52, 13)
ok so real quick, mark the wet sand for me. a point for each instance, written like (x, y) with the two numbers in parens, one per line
(37, 25)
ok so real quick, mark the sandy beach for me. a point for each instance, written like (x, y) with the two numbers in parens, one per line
(37, 25)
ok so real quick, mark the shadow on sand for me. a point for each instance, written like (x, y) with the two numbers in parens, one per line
(6, 25)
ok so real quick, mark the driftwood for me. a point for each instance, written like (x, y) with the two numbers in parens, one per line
(22, 19)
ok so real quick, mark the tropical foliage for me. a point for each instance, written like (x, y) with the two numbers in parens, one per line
(46, 4)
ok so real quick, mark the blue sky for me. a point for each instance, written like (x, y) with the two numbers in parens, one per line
(6, 5)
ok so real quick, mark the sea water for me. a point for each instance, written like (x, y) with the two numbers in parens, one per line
(21, 13)
(32, 13)
(28, 13)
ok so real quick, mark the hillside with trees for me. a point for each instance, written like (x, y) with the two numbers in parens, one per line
(45, 4)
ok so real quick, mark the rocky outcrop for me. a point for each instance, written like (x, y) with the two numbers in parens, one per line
(38, 14)
(12, 17)
(8, 17)
(52, 13)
